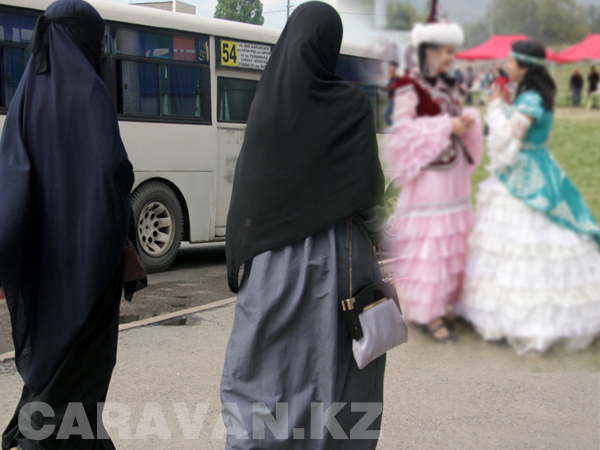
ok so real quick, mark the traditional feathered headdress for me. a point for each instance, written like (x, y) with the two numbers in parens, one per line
(437, 30)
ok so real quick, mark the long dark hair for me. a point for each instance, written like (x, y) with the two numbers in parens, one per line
(422, 54)
(537, 77)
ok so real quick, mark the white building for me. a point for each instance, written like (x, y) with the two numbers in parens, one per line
(174, 5)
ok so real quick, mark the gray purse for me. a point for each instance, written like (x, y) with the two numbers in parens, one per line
(374, 318)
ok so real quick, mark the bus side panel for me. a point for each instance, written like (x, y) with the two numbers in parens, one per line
(196, 189)
(151, 146)
(229, 141)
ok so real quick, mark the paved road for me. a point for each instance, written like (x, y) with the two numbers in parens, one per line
(198, 277)
(471, 396)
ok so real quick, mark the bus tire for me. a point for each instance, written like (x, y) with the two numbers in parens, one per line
(159, 225)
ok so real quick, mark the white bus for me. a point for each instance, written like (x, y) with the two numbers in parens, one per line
(182, 86)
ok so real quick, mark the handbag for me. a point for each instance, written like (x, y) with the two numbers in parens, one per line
(374, 318)
(134, 267)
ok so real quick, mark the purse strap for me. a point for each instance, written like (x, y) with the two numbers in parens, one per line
(350, 256)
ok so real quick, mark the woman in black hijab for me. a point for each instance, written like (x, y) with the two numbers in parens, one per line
(309, 163)
(65, 181)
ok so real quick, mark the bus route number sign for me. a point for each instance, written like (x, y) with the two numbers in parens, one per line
(229, 53)
(244, 55)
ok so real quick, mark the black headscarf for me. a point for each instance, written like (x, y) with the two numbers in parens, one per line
(65, 183)
(309, 157)
(88, 35)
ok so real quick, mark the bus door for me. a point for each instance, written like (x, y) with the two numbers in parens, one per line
(234, 97)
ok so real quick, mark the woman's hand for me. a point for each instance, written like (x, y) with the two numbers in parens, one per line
(468, 120)
(459, 127)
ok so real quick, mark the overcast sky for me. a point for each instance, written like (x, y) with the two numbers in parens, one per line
(355, 25)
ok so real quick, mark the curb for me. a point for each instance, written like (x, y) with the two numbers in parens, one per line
(174, 315)
(153, 320)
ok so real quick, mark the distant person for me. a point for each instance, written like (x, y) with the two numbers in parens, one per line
(309, 163)
(459, 77)
(576, 86)
(482, 81)
(470, 84)
(391, 88)
(593, 79)
(490, 77)
(65, 217)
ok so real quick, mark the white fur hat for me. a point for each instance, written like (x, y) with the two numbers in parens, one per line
(437, 30)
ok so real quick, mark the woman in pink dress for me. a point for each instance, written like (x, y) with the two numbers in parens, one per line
(432, 150)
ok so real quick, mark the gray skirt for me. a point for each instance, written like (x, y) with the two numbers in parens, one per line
(290, 380)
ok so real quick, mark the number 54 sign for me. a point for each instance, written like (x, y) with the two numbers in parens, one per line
(229, 53)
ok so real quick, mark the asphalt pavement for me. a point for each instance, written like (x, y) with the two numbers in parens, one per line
(198, 277)
(472, 395)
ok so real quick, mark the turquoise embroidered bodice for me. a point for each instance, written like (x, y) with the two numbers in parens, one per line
(530, 104)
(538, 180)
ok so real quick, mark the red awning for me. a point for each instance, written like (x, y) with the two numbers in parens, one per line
(588, 49)
(498, 47)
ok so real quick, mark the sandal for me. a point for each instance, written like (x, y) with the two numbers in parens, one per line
(450, 338)
(449, 324)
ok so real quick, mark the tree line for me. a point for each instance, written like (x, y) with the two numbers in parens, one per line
(555, 22)
(247, 11)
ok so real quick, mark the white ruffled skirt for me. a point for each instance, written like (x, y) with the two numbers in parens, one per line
(528, 280)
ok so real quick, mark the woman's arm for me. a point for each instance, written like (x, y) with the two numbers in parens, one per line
(374, 220)
(473, 137)
(506, 134)
(414, 142)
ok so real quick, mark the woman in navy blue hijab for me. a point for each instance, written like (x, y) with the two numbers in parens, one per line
(65, 183)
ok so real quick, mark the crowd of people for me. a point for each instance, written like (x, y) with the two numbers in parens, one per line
(306, 212)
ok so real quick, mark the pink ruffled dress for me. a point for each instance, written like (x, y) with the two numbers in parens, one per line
(429, 230)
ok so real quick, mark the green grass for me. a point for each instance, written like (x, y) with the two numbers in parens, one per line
(575, 144)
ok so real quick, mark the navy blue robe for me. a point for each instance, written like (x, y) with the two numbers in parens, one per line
(65, 183)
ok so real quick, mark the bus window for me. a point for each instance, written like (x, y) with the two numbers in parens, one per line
(180, 91)
(370, 75)
(162, 76)
(16, 30)
(234, 98)
(362, 70)
(139, 88)
(135, 42)
(163, 90)
(14, 61)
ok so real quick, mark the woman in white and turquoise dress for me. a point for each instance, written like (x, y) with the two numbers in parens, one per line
(533, 270)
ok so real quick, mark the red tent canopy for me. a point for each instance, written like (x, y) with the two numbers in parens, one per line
(588, 49)
(498, 47)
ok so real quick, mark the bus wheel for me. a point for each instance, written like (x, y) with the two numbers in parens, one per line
(159, 225)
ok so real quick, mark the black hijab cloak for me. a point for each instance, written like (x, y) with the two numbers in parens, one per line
(310, 156)
(65, 183)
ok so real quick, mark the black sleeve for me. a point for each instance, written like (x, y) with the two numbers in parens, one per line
(374, 220)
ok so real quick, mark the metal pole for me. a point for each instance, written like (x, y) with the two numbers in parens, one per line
(288, 9)
(174, 6)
